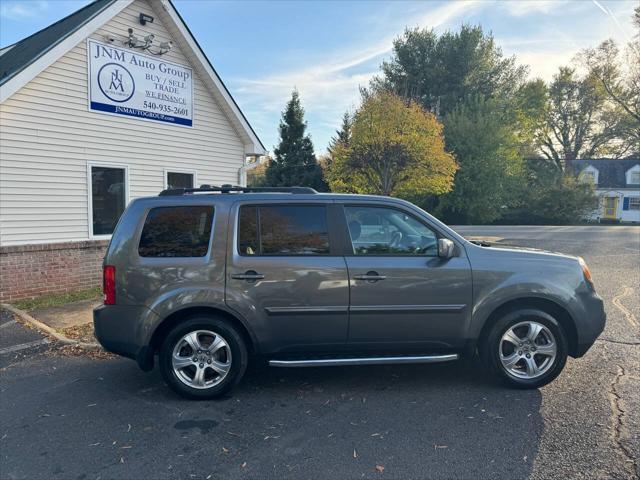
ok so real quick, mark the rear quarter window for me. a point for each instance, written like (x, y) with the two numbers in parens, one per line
(176, 232)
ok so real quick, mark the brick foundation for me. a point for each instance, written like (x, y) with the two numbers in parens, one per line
(29, 271)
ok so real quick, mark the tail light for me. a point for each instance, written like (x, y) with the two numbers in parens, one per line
(109, 284)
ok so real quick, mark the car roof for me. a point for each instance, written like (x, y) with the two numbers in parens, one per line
(261, 196)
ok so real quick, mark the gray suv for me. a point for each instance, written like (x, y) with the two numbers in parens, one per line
(207, 278)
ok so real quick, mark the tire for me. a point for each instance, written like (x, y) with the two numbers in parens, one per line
(208, 374)
(500, 349)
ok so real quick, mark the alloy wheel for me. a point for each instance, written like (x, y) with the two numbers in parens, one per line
(201, 359)
(527, 350)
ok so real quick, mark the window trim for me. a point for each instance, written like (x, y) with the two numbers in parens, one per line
(326, 207)
(350, 251)
(167, 171)
(635, 199)
(90, 165)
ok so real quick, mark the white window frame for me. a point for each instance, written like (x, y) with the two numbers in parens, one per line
(90, 165)
(633, 170)
(167, 171)
(589, 173)
(635, 199)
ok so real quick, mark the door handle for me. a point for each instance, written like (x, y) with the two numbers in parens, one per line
(370, 277)
(249, 275)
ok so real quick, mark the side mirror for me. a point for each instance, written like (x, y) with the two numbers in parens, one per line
(446, 248)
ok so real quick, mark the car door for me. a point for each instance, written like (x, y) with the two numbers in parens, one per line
(285, 277)
(401, 291)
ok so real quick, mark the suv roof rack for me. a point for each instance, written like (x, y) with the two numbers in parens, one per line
(235, 189)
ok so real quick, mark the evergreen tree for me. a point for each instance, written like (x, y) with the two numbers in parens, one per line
(343, 135)
(294, 163)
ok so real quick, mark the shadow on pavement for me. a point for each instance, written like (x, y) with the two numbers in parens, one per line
(416, 421)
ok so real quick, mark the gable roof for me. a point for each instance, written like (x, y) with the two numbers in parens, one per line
(24, 60)
(611, 172)
(20, 55)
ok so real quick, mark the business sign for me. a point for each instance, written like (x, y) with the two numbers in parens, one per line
(124, 82)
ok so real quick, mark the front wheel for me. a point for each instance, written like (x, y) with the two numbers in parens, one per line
(203, 358)
(525, 348)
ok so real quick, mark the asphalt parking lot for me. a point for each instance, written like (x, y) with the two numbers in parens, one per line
(83, 418)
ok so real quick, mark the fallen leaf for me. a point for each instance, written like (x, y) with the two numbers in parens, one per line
(375, 434)
(225, 450)
(440, 446)
(244, 464)
(380, 468)
(121, 459)
(129, 429)
(355, 454)
(234, 434)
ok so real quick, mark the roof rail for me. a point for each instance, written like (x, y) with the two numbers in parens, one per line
(235, 189)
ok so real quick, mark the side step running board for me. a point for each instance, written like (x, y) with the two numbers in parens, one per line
(333, 362)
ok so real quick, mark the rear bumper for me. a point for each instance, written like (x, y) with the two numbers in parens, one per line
(118, 329)
(590, 324)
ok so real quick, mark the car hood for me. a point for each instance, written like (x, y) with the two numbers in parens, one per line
(524, 252)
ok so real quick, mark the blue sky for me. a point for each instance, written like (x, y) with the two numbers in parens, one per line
(262, 50)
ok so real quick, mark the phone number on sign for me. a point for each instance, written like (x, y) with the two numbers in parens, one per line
(159, 107)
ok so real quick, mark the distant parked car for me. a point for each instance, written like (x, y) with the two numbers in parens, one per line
(208, 278)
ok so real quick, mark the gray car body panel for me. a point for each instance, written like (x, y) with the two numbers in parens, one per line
(309, 303)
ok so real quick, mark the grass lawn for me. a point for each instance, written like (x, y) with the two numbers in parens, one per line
(58, 299)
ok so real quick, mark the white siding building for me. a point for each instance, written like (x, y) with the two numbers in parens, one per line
(617, 184)
(93, 116)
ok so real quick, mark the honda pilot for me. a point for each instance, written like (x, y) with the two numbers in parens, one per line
(206, 279)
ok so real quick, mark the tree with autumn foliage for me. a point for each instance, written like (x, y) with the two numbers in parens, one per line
(395, 148)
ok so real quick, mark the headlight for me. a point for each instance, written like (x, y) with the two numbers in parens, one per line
(586, 272)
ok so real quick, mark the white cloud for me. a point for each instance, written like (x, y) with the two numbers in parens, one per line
(330, 87)
(20, 10)
(521, 8)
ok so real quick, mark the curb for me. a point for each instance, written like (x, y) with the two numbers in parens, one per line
(47, 330)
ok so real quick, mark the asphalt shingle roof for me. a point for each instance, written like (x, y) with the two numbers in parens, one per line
(15, 58)
(611, 172)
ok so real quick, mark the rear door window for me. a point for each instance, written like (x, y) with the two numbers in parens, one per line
(283, 230)
(176, 232)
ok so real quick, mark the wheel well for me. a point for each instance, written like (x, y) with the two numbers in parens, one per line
(556, 311)
(176, 317)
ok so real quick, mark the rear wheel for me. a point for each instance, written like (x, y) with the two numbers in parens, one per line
(525, 348)
(203, 357)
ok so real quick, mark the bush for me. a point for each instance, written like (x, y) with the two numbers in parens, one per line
(549, 196)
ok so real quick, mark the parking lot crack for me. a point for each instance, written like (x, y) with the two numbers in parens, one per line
(618, 342)
(619, 431)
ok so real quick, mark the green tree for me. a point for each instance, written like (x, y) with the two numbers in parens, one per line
(619, 75)
(549, 196)
(578, 122)
(440, 72)
(294, 162)
(395, 149)
(343, 134)
(481, 136)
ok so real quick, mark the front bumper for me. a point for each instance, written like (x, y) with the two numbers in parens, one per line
(118, 330)
(590, 324)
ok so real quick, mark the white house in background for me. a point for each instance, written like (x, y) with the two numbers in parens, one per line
(617, 183)
(113, 102)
